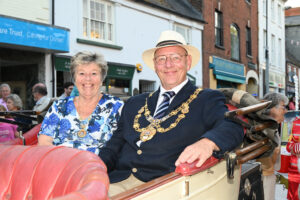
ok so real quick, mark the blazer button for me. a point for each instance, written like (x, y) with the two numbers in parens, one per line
(139, 152)
(134, 170)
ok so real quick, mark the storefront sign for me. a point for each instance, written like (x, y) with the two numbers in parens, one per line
(62, 63)
(121, 71)
(227, 70)
(30, 34)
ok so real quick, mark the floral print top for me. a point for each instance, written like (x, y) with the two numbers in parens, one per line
(63, 124)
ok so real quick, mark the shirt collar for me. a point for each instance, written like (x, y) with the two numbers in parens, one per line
(175, 89)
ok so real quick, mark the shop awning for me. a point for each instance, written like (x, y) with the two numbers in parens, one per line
(227, 70)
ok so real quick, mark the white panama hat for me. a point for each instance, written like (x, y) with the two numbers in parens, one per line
(171, 38)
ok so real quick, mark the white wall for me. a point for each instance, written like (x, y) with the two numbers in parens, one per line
(33, 10)
(137, 28)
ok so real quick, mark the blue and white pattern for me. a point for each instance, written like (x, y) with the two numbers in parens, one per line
(62, 123)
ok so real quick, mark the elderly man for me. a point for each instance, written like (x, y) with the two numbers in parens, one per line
(276, 110)
(178, 123)
(4, 91)
(39, 92)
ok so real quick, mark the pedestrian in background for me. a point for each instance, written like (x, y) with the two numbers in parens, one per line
(68, 87)
(276, 110)
(292, 105)
(39, 92)
(4, 92)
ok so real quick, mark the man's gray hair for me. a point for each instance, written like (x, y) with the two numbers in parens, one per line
(276, 99)
(16, 100)
(86, 57)
(4, 85)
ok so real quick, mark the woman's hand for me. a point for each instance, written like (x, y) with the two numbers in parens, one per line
(45, 140)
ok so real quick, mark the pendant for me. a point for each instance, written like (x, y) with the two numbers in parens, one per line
(147, 134)
(81, 133)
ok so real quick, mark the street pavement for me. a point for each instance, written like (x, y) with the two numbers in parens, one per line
(281, 187)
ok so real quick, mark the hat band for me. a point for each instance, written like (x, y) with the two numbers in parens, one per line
(168, 43)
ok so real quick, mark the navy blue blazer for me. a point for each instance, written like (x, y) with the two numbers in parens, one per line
(156, 157)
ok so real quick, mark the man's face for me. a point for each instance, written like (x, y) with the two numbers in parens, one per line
(69, 90)
(5, 91)
(171, 64)
(278, 112)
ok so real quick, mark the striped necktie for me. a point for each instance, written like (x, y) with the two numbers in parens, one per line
(164, 104)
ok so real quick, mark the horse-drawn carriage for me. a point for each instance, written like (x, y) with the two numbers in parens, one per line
(64, 173)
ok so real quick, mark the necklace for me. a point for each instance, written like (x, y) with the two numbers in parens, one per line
(84, 124)
(148, 132)
(83, 128)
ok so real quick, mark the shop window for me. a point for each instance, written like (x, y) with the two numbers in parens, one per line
(218, 28)
(235, 42)
(118, 87)
(146, 86)
(98, 22)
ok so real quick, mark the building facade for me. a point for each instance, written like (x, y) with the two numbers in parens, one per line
(292, 42)
(121, 30)
(271, 39)
(27, 42)
(230, 48)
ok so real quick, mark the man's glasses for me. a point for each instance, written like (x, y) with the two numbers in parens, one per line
(174, 58)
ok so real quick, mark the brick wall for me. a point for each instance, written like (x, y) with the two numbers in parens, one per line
(234, 12)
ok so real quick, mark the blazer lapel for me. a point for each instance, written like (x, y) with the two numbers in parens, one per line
(152, 101)
(182, 96)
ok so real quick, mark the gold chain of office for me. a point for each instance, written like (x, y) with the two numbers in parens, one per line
(148, 132)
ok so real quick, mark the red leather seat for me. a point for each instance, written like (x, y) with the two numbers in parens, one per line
(30, 137)
(51, 172)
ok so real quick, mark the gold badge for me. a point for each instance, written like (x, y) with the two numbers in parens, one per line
(147, 134)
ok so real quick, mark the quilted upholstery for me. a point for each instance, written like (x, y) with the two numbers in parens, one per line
(51, 172)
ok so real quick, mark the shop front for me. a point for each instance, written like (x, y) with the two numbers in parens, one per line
(119, 79)
(225, 73)
(26, 50)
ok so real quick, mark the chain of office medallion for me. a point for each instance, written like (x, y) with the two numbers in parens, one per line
(184, 108)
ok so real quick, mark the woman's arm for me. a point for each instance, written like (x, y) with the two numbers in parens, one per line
(45, 140)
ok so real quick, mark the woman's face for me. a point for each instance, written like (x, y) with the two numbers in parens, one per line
(10, 105)
(88, 79)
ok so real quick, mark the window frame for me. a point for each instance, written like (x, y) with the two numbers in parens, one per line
(100, 18)
(237, 42)
(248, 41)
(219, 33)
(186, 34)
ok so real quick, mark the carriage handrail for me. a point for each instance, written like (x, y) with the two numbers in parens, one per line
(13, 122)
(248, 109)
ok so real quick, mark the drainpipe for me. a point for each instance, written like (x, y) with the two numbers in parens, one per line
(52, 55)
(267, 51)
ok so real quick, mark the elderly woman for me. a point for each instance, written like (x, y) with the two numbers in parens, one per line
(86, 121)
(4, 92)
(14, 103)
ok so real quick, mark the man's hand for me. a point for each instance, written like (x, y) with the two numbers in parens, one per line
(201, 150)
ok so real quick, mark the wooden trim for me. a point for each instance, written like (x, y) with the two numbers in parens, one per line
(136, 191)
